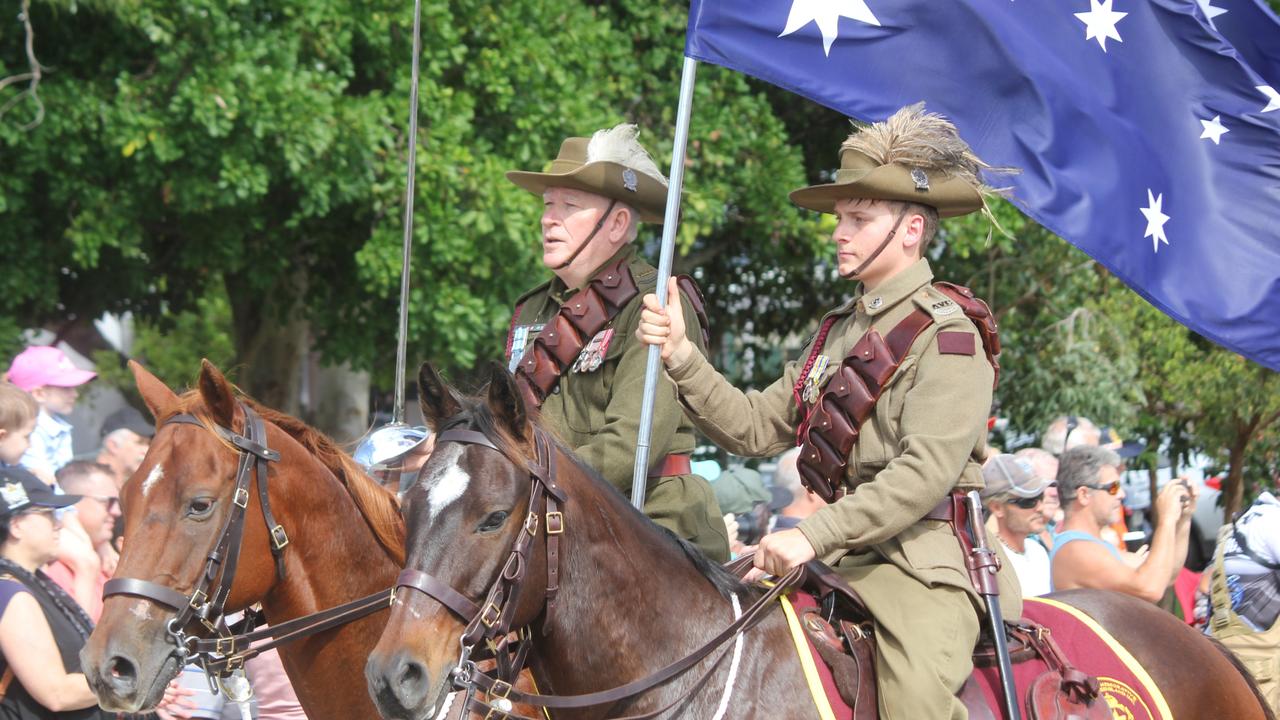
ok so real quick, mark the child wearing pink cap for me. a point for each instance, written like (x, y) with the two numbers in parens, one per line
(48, 374)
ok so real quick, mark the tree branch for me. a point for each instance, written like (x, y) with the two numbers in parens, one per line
(36, 72)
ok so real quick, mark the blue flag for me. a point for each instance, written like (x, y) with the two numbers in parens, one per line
(1252, 29)
(1142, 136)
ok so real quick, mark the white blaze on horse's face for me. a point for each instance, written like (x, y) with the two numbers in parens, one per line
(446, 483)
(153, 477)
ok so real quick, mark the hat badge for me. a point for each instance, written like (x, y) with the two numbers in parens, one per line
(14, 495)
(920, 179)
(629, 180)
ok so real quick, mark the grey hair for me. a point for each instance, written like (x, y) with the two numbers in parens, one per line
(1080, 467)
(787, 475)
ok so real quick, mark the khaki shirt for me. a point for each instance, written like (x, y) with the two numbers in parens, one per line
(925, 437)
(597, 412)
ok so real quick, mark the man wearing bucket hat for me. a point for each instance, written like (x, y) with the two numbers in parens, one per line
(572, 342)
(890, 404)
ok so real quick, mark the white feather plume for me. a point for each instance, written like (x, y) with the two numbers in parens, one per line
(619, 145)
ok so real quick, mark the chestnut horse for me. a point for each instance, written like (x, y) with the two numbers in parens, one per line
(345, 542)
(632, 598)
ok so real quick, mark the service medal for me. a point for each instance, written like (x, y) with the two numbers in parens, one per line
(813, 382)
(592, 356)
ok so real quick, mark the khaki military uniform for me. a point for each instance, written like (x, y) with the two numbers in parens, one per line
(597, 413)
(924, 438)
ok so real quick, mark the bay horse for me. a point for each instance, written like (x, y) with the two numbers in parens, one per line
(344, 541)
(630, 598)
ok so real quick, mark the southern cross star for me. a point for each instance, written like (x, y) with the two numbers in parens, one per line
(1273, 97)
(827, 14)
(1100, 22)
(1213, 130)
(1210, 12)
(1155, 220)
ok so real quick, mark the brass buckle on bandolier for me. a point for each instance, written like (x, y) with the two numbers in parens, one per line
(555, 523)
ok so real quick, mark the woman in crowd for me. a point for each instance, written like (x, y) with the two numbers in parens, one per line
(41, 628)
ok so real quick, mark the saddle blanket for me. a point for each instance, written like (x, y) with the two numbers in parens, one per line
(1124, 685)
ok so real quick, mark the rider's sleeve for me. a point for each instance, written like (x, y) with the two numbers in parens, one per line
(943, 419)
(756, 423)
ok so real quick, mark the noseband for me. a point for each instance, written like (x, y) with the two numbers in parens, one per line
(205, 602)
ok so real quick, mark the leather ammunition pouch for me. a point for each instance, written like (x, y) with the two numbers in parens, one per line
(831, 427)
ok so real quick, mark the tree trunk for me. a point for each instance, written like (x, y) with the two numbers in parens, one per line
(1233, 487)
(271, 340)
(339, 401)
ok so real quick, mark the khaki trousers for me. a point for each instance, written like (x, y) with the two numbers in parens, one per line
(925, 638)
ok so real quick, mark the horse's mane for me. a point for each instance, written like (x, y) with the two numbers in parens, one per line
(477, 415)
(376, 504)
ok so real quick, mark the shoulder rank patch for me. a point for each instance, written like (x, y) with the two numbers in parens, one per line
(944, 307)
(956, 343)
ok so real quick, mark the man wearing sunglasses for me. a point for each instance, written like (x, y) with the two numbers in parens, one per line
(1013, 497)
(1089, 485)
(98, 509)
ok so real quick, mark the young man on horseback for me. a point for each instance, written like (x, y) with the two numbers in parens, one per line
(922, 439)
(572, 340)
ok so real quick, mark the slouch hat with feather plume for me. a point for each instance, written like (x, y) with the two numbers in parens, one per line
(914, 156)
(611, 163)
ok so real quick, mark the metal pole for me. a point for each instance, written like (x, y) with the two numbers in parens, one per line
(402, 337)
(670, 222)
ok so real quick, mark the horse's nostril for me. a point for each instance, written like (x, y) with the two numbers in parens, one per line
(412, 676)
(121, 673)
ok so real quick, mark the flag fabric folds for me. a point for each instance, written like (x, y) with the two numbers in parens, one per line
(1142, 135)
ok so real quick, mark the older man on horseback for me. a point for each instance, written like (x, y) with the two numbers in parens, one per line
(890, 406)
(572, 340)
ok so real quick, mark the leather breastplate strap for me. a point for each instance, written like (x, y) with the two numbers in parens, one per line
(831, 428)
(579, 319)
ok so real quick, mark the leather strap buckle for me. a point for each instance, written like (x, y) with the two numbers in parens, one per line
(490, 615)
(198, 599)
(241, 498)
(279, 537)
(500, 689)
(498, 710)
(228, 649)
(555, 522)
(531, 524)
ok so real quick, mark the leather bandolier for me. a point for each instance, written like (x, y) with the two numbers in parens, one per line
(830, 429)
(582, 315)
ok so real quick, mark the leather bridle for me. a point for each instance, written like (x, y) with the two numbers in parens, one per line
(488, 632)
(206, 602)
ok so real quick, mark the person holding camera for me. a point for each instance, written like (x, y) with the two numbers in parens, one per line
(1089, 485)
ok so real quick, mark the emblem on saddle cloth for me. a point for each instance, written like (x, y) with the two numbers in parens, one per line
(592, 356)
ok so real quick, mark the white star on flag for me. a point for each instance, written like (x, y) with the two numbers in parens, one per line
(1273, 98)
(1100, 22)
(1213, 129)
(1155, 220)
(1210, 12)
(827, 14)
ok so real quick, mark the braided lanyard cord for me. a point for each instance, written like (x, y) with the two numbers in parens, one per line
(818, 342)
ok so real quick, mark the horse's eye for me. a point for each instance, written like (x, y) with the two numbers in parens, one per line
(493, 521)
(199, 507)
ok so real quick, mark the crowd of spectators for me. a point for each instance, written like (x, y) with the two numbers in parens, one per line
(60, 535)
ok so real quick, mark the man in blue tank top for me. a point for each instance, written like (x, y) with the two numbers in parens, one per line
(1089, 486)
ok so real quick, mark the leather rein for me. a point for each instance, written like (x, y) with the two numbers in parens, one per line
(489, 633)
(205, 602)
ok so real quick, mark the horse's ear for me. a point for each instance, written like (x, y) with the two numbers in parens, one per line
(217, 393)
(505, 401)
(160, 400)
(435, 397)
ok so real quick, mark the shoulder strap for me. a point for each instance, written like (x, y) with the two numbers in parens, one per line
(976, 310)
(830, 430)
(1248, 552)
(581, 316)
(689, 288)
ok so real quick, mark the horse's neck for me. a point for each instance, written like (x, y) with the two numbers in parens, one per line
(332, 556)
(622, 586)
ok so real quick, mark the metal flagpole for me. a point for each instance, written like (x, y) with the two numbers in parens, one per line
(675, 180)
(402, 338)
